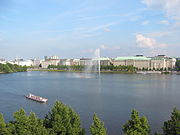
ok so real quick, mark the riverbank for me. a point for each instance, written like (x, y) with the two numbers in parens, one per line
(77, 71)
(11, 68)
(107, 71)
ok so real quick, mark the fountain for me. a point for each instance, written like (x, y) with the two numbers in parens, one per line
(93, 65)
(97, 59)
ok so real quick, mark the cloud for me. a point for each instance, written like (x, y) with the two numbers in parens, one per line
(145, 22)
(170, 7)
(89, 51)
(135, 18)
(165, 22)
(85, 32)
(87, 35)
(104, 47)
(96, 28)
(107, 30)
(161, 33)
(146, 42)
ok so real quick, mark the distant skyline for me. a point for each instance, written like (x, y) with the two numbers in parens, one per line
(75, 28)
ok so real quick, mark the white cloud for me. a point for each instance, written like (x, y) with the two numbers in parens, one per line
(107, 30)
(165, 22)
(105, 47)
(135, 18)
(161, 33)
(146, 42)
(96, 28)
(170, 7)
(87, 35)
(145, 22)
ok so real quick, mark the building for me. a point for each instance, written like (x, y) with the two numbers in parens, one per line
(85, 61)
(2, 61)
(36, 62)
(142, 62)
(137, 61)
(53, 60)
(105, 61)
(21, 62)
(66, 62)
(76, 62)
(177, 58)
(162, 62)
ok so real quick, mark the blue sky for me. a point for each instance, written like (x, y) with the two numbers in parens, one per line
(75, 28)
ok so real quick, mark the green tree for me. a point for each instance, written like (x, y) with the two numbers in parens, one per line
(62, 120)
(26, 125)
(97, 127)
(178, 65)
(8, 68)
(137, 125)
(3, 128)
(172, 126)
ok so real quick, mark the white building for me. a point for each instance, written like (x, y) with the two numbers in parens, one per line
(2, 61)
(53, 60)
(24, 62)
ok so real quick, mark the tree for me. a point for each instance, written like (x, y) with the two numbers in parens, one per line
(26, 125)
(3, 128)
(178, 65)
(62, 120)
(172, 126)
(137, 125)
(97, 127)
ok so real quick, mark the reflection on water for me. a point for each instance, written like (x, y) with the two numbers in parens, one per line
(111, 96)
(84, 75)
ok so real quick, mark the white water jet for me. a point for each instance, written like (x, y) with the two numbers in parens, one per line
(97, 59)
(93, 65)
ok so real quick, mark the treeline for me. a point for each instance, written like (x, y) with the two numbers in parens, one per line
(118, 68)
(93, 68)
(63, 120)
(65, 67)
(8, 68)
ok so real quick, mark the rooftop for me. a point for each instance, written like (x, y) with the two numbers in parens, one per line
(133, 58)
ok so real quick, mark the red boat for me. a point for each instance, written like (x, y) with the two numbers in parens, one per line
(36, 98)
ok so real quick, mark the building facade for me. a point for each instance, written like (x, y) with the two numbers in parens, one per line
(53, 60)
(141, 62)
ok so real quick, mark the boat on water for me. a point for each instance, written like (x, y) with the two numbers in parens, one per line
(36, 98)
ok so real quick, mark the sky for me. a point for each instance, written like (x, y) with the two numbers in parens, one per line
(76, 28)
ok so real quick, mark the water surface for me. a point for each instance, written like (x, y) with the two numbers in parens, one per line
(110, 96)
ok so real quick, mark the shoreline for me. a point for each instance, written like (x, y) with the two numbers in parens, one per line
(77, 71)
(118, 72)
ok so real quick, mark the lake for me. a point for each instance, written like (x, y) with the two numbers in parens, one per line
(110, 96)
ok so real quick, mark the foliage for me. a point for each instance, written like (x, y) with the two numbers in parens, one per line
(172, 126)
(97, 127)
(178, 65)
(137, 125)
(26, 125)
(3, 128)
(65, 67)
(103, 67)
(8, 68)
(62, 120)
(118, 68)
